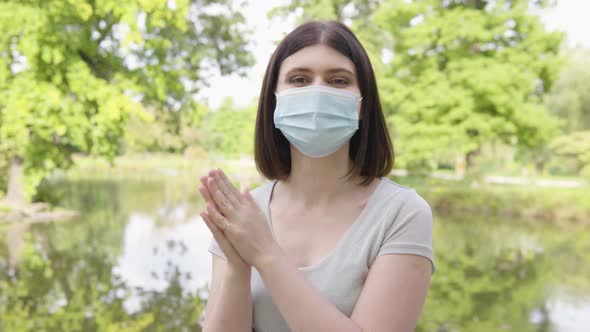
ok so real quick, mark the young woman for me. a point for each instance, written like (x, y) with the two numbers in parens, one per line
(329, 244)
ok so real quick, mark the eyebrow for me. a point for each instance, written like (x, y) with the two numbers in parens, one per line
(329, 71)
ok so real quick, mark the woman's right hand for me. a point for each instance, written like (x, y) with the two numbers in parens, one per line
(235, 262)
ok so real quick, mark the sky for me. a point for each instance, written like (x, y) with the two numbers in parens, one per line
(570, 16)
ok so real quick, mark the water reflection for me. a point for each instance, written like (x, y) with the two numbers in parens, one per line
(136, 259)
(569, 311)
(150, 251)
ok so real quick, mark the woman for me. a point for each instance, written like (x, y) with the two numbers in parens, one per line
(329, 244)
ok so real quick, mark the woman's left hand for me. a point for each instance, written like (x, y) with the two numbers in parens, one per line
(248, 230)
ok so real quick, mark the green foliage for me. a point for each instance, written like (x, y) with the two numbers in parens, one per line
(231, 129)
(464, 74)
(529, 202)
(166, 131)
(570, 96)
(72, 72)
(327, 9)
(574, 150)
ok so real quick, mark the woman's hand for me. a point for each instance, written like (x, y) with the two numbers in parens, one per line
(234, 259)
(240, 225)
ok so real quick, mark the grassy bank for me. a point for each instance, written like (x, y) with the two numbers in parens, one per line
(445, 196)
(156, 167)
(533, 203)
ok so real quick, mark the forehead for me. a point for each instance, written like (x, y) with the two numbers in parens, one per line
(317, 57)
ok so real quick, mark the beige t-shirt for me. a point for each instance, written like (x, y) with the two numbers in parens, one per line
(395, 220)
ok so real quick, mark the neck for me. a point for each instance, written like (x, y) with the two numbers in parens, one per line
(316, 180)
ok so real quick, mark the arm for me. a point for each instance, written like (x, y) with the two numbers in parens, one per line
(394, 293)
(392, 297)
(229, 307)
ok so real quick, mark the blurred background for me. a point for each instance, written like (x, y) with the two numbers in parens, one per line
(111, 110)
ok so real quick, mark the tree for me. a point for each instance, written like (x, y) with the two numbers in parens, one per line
(170, 131)
(230, 129)
(71, 73)
(467, 73)
(572, 151)
(570, 96)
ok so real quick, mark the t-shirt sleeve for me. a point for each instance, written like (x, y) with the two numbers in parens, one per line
(215, 249)
(411, 230)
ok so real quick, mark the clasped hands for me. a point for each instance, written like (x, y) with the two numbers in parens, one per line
(236, 222)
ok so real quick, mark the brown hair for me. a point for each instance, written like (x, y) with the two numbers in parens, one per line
(370, 150)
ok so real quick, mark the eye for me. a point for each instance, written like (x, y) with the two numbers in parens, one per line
(298, 80)
(339, 81)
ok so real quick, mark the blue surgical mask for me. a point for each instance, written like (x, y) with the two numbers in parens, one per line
(317, 120)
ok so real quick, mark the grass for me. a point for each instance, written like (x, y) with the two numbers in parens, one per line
(529, 202)
(445, 196)
(156, 167)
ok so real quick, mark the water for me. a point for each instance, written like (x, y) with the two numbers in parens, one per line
(136, 259)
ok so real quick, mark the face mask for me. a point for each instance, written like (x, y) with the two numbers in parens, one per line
(317, 120)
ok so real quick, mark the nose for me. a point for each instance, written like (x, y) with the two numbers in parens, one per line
(318, 80)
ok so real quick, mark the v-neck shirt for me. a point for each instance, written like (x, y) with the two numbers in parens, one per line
(395, 220)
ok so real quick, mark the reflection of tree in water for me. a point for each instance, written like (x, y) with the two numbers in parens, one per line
(485, 286)
(64, 280)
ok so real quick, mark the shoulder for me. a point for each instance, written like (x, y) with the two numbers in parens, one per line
(405, 197)
(261, 193)
(408, 225)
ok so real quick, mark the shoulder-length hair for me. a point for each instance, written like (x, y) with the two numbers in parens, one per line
(370, 150)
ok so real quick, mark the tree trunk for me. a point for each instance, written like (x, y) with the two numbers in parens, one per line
(471, 159)
(460, 165)
(15, 239)
(15, 193)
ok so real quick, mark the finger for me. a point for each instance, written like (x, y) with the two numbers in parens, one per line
(211, 224)
(222, 240)
(206, 194)
(204, 182)
(228, 189)
(224, 204)
(220, 221)
(228, 183)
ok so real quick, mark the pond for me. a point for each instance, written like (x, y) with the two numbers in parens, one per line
(136, 259)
